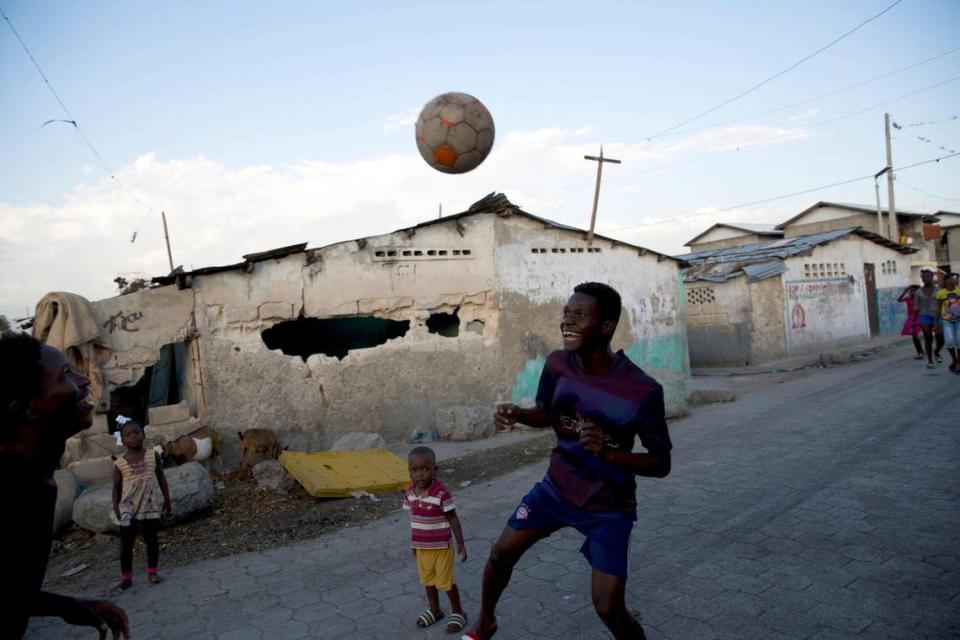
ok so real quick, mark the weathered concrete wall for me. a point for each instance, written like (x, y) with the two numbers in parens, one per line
(733, 239)
(719, 323)
(137, 325)
(768, 338)
(893, 275)
(537, 270)
(398, 386)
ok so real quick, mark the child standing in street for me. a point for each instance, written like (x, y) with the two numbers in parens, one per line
(911, 326)
(140, 499)
(432, 520)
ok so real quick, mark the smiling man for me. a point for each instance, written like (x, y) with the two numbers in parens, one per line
(597, 402)
(42, 403)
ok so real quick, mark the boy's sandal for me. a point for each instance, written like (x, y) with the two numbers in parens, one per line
(427, 618)
(456, 622)
(473, 635)
(939, 358)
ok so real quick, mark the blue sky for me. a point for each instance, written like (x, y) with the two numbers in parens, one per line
(258, 125)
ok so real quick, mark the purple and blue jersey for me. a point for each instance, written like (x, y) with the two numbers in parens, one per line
(625, 403)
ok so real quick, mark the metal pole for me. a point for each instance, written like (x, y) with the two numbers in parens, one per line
(166, 236)
(892, 209)
(876, 189)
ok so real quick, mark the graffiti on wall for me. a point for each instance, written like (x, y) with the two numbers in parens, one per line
(819, 289)
(123, 321)
(798, 317)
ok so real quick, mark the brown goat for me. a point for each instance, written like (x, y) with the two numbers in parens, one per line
(258, 441)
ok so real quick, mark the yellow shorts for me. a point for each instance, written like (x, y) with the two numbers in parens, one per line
(436, 568)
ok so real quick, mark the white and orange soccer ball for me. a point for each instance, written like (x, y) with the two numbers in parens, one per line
(454, 132)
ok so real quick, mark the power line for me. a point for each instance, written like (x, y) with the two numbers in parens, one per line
(926, 193)
(807, 101)
(789, 133)
(73, 121)
(774, 198)
(776, 75)
(923, 124)
(923, 139)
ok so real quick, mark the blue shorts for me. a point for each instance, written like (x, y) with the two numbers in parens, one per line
(927, 320)
(607, 546)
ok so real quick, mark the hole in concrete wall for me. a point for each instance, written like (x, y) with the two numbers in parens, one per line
(475, 326)
(332, 336)
(444, 324)
(161, 384)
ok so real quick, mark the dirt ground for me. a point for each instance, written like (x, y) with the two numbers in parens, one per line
(244, 518)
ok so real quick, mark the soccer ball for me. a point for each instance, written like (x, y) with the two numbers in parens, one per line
(454, 133)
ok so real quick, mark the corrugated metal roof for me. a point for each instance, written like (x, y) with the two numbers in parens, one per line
(764, 270)
(718, 265)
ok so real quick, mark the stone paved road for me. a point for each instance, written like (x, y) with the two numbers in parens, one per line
(821, 508)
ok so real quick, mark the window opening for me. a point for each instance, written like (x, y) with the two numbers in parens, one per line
(332, 336)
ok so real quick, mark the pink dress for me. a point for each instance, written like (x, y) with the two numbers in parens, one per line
(911, 326)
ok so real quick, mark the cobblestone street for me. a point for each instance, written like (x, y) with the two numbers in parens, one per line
(824, 507)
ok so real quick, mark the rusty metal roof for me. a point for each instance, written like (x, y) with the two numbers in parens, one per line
(761, 260)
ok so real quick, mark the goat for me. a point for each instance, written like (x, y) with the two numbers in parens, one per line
(258, 441)
(201, 445)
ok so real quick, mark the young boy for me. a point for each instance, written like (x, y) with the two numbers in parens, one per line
(432, 519)
(598, 402)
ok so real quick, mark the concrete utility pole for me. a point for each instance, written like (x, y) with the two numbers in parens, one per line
(892, 209)
(596, 193)
(876, 190)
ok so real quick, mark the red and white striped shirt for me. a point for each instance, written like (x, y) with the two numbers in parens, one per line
(429, 528)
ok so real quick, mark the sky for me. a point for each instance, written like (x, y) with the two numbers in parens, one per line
(257, 126)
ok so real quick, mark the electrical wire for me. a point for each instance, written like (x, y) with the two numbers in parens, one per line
(806, 101)
(790, 133)
(923, 124)
(774, 198)
(76, 126)
(922, 139)
(778, 74)
(926, 193)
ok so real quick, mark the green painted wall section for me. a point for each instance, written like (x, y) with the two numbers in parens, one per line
(528, 379)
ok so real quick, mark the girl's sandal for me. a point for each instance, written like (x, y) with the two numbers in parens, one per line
(457, 622)
(427, 618)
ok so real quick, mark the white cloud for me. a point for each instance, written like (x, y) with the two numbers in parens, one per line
(216, 214)
(401, 121)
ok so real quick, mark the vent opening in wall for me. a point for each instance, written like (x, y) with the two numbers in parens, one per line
(700, 295)
(332, 336)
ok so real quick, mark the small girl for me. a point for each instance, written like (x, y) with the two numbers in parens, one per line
(911, 326)
(140, 499)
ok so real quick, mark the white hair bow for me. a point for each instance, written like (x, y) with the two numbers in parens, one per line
(122, 420)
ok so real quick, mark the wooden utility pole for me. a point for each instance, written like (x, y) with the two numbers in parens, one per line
(892, 209)
(596, 193)
(167, 238)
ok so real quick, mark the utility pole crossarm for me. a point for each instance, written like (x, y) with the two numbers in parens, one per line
(596, 194)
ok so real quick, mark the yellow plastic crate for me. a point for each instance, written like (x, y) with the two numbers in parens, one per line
(336, 474)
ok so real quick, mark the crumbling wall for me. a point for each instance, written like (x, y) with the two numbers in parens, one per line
(537, 269)
(137, 325)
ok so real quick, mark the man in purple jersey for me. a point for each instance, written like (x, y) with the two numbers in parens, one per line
(597, 402)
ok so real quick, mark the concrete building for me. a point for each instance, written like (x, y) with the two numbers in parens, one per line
(723, 235)
(917, 230)
(800, 294)
(378, 334)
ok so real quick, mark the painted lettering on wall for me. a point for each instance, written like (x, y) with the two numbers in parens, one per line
(819, 289)
(798, 317)
(124, 321)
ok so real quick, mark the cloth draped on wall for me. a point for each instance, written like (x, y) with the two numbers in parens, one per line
(166, 383)
(67, 321)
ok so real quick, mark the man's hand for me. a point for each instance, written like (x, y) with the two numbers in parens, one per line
(507, 415)
(462, 552)
(166, 508)
(101, 614)
(591, 438)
